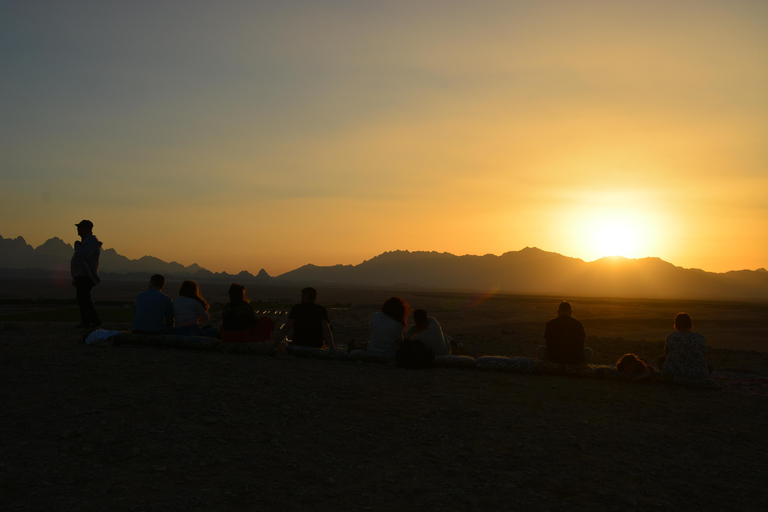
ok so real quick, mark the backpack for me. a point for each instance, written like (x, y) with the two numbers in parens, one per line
(414, 354)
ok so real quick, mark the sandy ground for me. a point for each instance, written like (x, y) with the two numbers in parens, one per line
(141, 428)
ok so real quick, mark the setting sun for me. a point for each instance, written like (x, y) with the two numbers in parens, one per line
(614, 231)
(615, 238)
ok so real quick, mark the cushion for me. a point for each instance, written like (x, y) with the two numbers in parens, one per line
(262, 348)
(313, 352)
(168, 340)
(507, 364)
(610, 373)
(550, 368)
(454, 361)
(368, 357)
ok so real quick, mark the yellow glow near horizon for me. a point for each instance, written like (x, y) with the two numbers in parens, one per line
(616, 238)
(614, 231)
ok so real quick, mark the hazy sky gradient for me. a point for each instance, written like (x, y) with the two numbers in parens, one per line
(248, 135)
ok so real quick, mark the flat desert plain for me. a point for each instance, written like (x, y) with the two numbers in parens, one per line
(117, 427)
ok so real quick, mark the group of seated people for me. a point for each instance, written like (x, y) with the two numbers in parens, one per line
(308, 324)
(157, 313)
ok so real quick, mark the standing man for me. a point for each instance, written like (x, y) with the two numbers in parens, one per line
(309, 322)
(154, 309)
(565, 339)
(85, 273)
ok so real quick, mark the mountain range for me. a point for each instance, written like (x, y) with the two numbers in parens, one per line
(529, 271)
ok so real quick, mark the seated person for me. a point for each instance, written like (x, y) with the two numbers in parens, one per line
(565, 339)
(154, 309)
(685, 351)
(189, 309)
(633, 365)
(428, 330)
(308, 322)
(387, 327)
(239, 321)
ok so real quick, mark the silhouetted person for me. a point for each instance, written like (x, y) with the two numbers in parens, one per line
(685, 351)
(309, 322)
(388, 326)
(565, 339)
(635, 366)
(239, 321)
(154, 309)
(428, 330)
(85, 273)
(189, 309)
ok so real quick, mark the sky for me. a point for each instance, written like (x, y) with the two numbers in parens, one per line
(249, 135)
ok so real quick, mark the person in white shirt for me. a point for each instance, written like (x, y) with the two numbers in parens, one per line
(387, 327)
(428, 330)
(189, 309)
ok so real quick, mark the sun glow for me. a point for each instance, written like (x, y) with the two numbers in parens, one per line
(613, 232)
(615, 238)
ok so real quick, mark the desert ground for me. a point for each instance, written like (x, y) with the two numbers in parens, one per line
(120, 427)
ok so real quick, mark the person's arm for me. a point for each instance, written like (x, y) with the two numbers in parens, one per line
(87, 247)
(409, 332)
(169, 315)
(252, 318)
(328, 335)
(201, 312)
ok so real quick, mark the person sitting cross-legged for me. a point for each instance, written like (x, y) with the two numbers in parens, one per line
(308, 322)
(240, 323)
(154, 309)
(565, 339)
(428, 330)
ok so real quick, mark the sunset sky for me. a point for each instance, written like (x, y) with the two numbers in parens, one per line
(248, 135)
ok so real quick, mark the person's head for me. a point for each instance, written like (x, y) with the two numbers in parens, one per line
(157, 282)
(397, 309)
(629, 363)
(84, 227)
(420, 317)
(191, 290)
(683, 322)
(564, 308)
(308, 294)
(237, 293)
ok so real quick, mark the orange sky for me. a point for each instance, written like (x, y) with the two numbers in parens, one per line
(271, 136)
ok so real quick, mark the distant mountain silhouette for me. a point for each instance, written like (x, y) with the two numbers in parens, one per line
(55, 254)
(529, 271)
(536, 272)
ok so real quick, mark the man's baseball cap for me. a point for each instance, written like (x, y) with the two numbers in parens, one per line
(85, 223)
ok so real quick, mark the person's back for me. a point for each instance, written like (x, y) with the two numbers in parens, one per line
(239, 321)
(565, 338)
(154, 313)
(308, 324)
(386, 334)
(428, 330)
(238, 316)
(685, 351)
(154, 309)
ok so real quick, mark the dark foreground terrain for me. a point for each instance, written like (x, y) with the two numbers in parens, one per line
(108, 427)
